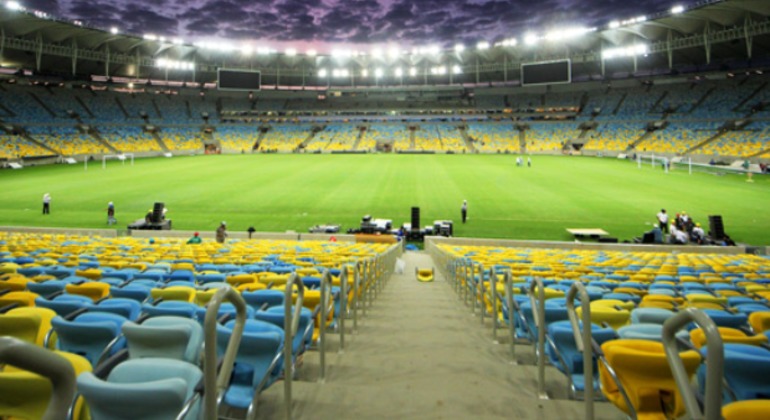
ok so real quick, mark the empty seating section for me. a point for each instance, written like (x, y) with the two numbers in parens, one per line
(631, 295)
(285, 137)
(438, 137)
(494, 137)
(613, 136)
(137, 105)
(334, 138)
(15, 147)
(67, 140)
(550, 137)
(182, 138)
(695, 110)
(396, 134)
(743, 143)
(103, 105)
(143, 306)
(235, 138)
(677, 137)
(129, 139)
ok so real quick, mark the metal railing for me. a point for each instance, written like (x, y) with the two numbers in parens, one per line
(538, 312)
(290, 327)
(583, 341)
(46, 363)
(714, 367)
(216, 385)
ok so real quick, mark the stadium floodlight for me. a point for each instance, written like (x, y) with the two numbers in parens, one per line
(677, 9)
(322, 73)
(311, 53)
(530, 39)
(150, 37)
(378, 73)
(399, 72)
(567, 33)
(630, 51)
(482, 45)
(246, 50)
(413, 71)
(614, 24)
(339, 53)
(114, 30)
(377, 53)
(394, 52)
(264, 51)
(131, 85)
(290, 52)
(459, 48)
(340, 73)
(177, 41)
(510, 42)
(456, 69)
(13, 5)
(364, 73)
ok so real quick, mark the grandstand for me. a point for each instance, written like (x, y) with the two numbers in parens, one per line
(151, 324)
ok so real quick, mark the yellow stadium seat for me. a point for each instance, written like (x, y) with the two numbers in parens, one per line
(14, 282)
(22, 298)
(746, 410)
(759, 321)
(729, 335)
(644, 374)
(92, 289)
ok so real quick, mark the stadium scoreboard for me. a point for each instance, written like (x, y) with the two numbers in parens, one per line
(246, 80)
(546, 73)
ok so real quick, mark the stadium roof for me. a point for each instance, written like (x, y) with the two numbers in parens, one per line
(710, 35)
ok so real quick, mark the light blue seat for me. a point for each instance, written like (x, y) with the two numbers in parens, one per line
(746, 369)
(258, 362)
(562, 352)
(151, 389)
(258, 298)
(727, 319)
(169, 337)
(127, 308)
(304, 336)
(210, 278)
(89, 335)
(64, 304)
(650, 315)
(47, 287)
(136, 292)
(170, 308)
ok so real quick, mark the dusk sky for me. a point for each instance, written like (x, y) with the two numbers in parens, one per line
(336, 22)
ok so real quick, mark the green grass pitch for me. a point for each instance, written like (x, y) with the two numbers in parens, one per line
(275, 193)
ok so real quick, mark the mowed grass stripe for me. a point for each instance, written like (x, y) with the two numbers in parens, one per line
(293, 192)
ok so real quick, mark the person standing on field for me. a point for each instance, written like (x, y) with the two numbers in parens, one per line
(111, 214)
(464, 210)
(46, 203)
(663, 220)
(222, 233)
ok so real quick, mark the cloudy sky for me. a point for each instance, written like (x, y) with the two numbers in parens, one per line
(333, 22)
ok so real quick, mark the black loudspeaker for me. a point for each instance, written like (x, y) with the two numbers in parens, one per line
(415, 218)
(716, 228)
(608, 240)
(157, 212)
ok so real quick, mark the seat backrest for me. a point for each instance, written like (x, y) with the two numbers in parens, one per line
(261, 297)
(154, 400)
(88, 335)
(165, 336)
(23, 327)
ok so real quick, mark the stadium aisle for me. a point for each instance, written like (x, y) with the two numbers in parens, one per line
(420, 354)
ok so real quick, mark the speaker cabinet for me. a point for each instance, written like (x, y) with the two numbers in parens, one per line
(716, 228)
(415, 218)
(157, 212)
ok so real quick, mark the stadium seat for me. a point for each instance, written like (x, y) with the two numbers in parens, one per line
(564, 355)
(746, 368)
(90, 335)
(168, 337)
(27, 324)
(643, 374)
(257, 363)
(729, 335)
(148, 388)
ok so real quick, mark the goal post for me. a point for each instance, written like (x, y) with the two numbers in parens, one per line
(121, 157)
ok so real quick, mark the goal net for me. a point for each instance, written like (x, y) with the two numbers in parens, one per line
(123, 157)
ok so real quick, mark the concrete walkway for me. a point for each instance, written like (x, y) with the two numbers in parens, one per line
(420, 353)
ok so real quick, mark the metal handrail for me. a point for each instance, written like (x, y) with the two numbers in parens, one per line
(714, 367)
(290, 327)
(343, 305)
(583, 342)
(538, 312)
(45, 363)
(508, 278)
(215, 385)
(326, 289)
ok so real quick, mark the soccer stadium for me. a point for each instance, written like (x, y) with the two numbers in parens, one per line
(257, 230)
